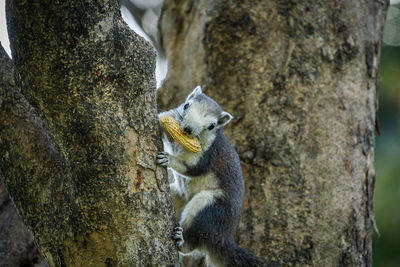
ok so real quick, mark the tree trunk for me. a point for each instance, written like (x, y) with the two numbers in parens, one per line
(300, 78)
(79, 136)
(17, 247)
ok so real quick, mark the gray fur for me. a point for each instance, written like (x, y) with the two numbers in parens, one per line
(208, 193)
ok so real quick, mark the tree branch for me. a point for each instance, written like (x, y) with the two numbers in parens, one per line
(6, 68)
(20, 115)
(28, 154)
(21, 123)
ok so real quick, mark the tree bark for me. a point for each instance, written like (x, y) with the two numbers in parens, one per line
(17, 247)
(300, 78)
(16, 242)
(79, 136)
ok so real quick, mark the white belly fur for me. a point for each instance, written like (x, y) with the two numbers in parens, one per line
(198, 193)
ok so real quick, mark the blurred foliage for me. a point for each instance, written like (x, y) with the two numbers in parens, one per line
(386, 247)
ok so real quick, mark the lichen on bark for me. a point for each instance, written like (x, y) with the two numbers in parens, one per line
(80, 134)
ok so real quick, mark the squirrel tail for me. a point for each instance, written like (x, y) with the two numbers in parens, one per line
(235, 256)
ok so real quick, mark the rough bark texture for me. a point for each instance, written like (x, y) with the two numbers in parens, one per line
(300, 78)
(79, 136)
(16, 242)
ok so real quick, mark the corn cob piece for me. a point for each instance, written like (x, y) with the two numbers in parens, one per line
(173, 128)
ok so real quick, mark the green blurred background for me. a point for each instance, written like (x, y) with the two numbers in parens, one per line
(386, 247)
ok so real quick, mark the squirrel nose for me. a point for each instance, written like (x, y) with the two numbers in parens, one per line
(187, 130)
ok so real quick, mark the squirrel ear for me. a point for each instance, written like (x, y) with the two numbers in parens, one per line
(224, 119)
(195, 92)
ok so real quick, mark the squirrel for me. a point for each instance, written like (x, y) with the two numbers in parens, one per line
(208, 189)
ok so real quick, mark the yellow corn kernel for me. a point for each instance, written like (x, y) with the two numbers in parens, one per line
(173, 128)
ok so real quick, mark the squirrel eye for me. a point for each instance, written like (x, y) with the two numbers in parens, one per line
(185, 106)
(211, 126)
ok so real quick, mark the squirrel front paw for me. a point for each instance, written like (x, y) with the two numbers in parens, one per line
(177, 235)
(162, 159)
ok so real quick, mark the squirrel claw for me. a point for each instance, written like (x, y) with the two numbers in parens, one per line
(177, 235)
